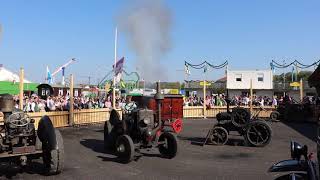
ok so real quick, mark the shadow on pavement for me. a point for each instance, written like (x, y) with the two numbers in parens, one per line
(98, 147)
(198, 141)
(309, 130)
(94, 144)
(234, 156)
(10, 171)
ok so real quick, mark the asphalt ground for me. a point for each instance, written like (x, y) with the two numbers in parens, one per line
(85, 157)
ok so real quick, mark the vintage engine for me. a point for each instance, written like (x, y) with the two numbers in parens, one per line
(17, 131)
(140, 123)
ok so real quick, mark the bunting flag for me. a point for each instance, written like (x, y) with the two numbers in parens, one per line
(292, 71)
(186, 70)
(272, 67)
(205, 69)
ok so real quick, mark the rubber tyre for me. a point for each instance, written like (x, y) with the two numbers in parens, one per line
(109, 136)
(170, 148)
(114, 117)
(54, 159)
(46, 133)
(258, 134)
(219, 136)
(125, 148)
(274, 116)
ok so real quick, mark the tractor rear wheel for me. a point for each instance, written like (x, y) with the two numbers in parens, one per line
(52, 146)
(109, 136)
(125, 148)
(53, 160)
(258, 134)
(168, 145)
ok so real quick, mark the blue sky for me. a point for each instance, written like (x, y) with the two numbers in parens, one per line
(249, 34)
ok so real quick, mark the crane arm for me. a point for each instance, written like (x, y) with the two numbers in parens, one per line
(63, 66)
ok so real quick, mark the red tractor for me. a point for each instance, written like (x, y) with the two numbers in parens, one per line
(144, 126)
(171, 110)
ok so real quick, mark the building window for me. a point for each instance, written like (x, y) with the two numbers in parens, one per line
(239, 77)
(43, 92)
(260, 77)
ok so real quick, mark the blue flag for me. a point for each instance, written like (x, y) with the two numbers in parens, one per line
(49, 76)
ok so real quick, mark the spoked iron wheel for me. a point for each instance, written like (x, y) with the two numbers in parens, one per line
(219, 136)
(258, 134)
(240, 117)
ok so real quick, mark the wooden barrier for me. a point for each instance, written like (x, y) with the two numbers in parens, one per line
(58, 118)
(193, 112)
(197, 111)
(87, 116)
(84, 116)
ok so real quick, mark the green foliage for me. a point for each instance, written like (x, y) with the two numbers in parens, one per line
(302, 74)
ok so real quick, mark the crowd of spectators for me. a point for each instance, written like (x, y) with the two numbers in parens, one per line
(244, 100)
(62, 103)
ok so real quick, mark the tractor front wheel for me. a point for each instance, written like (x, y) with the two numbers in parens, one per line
(168, 145)
(125, 148)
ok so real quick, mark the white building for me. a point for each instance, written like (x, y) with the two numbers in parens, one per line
(238, 82)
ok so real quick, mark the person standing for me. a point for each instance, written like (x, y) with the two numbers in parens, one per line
(274, 102)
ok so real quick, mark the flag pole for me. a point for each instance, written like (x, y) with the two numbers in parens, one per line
(114, 72)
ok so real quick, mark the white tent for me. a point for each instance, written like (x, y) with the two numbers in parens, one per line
(6, 75)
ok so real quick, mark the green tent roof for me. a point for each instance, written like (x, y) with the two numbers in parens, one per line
(13, 88)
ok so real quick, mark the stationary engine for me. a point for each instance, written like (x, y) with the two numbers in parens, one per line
(17, 130)
(19, 140)
(140, 123)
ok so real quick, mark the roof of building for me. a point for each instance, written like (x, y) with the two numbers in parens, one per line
(63, 86)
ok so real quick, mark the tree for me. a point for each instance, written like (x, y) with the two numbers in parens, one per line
(288, 76)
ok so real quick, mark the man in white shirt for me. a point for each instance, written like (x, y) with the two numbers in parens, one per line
(50, 104)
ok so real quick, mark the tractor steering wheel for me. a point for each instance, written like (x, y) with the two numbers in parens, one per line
(130, 107)
(19, 119)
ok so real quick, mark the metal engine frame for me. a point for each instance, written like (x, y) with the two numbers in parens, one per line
(256, 132)
(20, 142)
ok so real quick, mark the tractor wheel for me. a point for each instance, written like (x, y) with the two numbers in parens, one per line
(109, 136)
(125, 148)
(168, 145)
(52, 146)
(258, 134)
(46, 132)
(114, 118)
(274, 116)
(219, 136)
(54, 159)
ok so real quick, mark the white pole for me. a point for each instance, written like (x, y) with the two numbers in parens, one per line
(114, 68)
